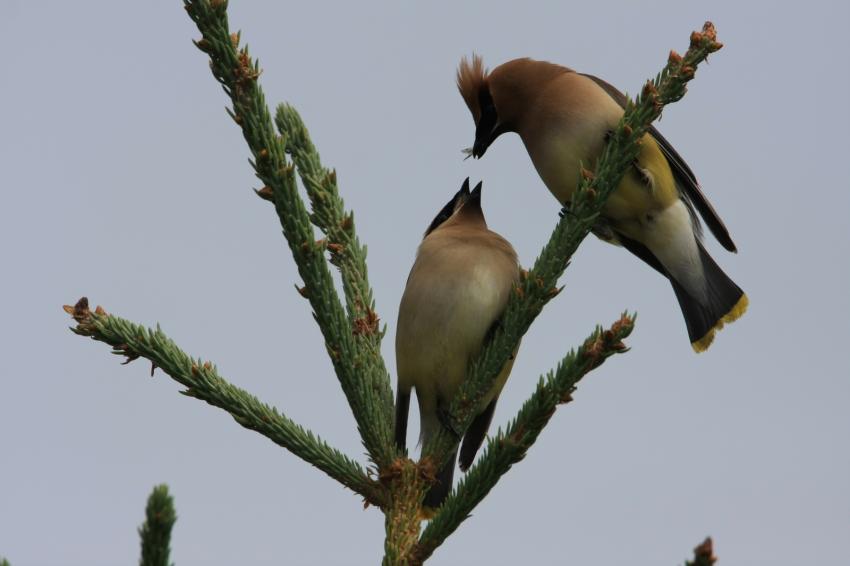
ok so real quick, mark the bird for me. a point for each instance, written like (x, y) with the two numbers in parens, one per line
(457, 290)
(564, 119)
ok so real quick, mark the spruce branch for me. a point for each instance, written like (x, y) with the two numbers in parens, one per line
(539, 286)
(329, 214)
(155, 532)
(509, 447)
(346, 251)
(367, 392)
(203, 382)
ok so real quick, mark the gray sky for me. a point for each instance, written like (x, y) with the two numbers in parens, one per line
(124, 180)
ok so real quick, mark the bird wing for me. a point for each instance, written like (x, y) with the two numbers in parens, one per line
(686, 181)
(475, 435)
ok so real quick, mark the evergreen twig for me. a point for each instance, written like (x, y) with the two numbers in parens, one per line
(509, 447)
(346, 251)
(203, 382)
(155, 532)
(238, 73)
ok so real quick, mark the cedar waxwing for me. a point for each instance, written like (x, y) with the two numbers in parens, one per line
(456, 291)
(563, 118)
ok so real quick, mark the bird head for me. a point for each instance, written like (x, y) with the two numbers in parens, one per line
(464, 205)
(499, 100)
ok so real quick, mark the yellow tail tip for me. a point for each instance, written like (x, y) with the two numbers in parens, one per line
(734, 314)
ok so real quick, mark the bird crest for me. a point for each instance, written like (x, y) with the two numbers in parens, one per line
(471, 79)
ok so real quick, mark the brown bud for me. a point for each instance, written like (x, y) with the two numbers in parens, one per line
(706, 551)
(303, 291)
(710, 33)
(202, 44)
(80, 311)
(696, 38)
(99, 311)
(265, 193)
(336, 248)
(649, 90)
(674, 58)
(367, 324)
(587, 174)
(620, 325)
(234, 39)
(347, 222)
(263, 154)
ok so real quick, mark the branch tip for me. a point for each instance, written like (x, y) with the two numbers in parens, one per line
(80, 310)
(703, 554)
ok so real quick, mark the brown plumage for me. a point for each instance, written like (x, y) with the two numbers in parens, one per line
(563, 118)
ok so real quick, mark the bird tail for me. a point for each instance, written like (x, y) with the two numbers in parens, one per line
(723, 302)
(440, 490)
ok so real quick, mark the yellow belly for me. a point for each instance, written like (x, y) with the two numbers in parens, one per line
(640, 194)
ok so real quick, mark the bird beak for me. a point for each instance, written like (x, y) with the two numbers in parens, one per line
(463, 194)
(475, 195)
(485, 134)
(457, 201)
